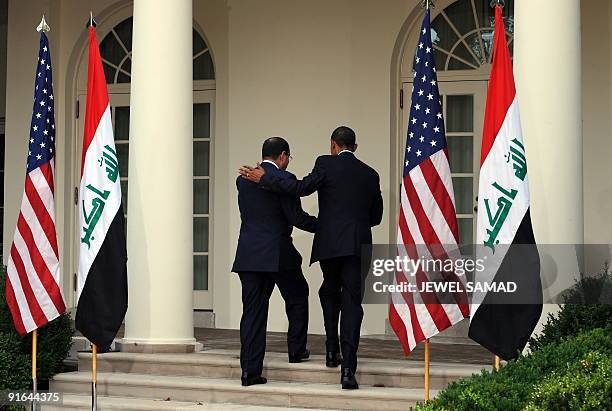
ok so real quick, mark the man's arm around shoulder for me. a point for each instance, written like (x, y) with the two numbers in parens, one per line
(292, 208)
(298, 188)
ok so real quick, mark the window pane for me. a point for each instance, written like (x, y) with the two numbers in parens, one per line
(462, 16)
(124, 195)
(122, 123)
(200, 196)
(127, 65)
(200, 234)
(122, 78)
(201, 157)
(474, 43)
(123, 151)
(203, 68)
(2, 151)
(487, 39)
(466, 234)
(463, 194)
(200, 272)
(463, 53)
(111, 50)
(201, 120)
(198, 42)
(461, 151)
(109, 73)
(460, 113)
(440, 60)
(442, 34)
(124, 31)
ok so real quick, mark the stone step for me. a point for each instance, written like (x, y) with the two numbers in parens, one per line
(211, 390)
(83, 402)
(226, 364)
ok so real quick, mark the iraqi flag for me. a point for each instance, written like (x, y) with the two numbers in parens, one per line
(504, 323)
(102, 276)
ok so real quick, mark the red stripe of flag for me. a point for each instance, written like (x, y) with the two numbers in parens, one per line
(427, 231)
(47, 173)
(436, 311)
(38, 315)
(443, 199)
(40, 266)
(42, 214)
(11, 301)
(97, 94)
(501, 92)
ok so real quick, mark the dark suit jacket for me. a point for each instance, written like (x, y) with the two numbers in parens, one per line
(265, 242)
(350, 203)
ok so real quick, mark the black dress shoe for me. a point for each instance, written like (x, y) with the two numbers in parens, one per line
(348, 380)
(295, 358)
(333, 359)
(247, 379)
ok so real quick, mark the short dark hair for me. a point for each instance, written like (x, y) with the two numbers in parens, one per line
(344, 137)
(273, 147)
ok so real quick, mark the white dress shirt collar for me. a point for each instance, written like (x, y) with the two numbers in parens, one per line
(346, 151)
(271, 162)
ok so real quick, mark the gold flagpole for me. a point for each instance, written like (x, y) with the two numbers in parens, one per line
(94, 372)
(497, 363)
(427, 370)
(34, 384)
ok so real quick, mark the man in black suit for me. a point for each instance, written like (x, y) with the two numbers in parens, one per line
(266, 256)
(350, 203)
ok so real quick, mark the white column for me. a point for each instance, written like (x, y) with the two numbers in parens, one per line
(160, 201)
(547, 66)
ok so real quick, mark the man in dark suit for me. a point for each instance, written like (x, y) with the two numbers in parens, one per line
(350, 203)
(266, 256)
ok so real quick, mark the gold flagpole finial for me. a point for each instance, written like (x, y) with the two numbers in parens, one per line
(43, 26)
(91, 22)
(427, 4)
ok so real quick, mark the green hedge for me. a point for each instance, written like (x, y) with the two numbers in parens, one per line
(582, 385)
(576, 316)
(536, 379)
(54, 341)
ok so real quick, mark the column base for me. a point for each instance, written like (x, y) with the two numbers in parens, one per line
(146, 347)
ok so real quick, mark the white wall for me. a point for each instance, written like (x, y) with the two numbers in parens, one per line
(3, 29)
(597, 129)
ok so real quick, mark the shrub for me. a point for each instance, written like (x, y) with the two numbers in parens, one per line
(54, 341)
(583, 385)
(511, 388)
(576, 316)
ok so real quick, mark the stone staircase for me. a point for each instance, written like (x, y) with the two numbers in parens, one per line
(210, 380)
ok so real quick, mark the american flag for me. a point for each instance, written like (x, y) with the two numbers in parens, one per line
(33, 293)
(427, 214)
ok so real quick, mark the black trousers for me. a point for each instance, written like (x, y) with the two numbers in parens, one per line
(342, 293)
(257, 288)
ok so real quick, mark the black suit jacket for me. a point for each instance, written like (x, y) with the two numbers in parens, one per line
(350, 203)
(265, 242)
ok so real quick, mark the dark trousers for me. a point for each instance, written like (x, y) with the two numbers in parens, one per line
(256, 290)
(341, 294)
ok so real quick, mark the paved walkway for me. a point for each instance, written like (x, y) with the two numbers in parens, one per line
(377, 347)
(370, 347)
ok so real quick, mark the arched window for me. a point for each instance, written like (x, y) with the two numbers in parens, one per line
(462, 34)
(116, 53)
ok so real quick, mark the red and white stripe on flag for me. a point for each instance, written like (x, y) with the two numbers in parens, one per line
(33, 292)
(427, 228)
